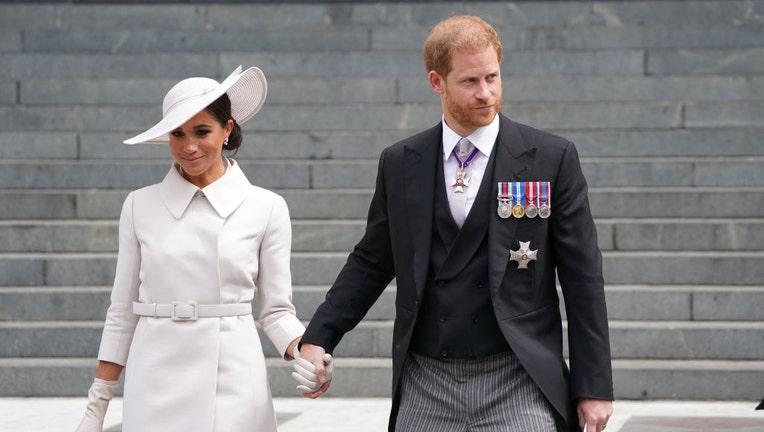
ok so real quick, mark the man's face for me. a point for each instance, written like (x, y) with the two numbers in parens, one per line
(471, 94)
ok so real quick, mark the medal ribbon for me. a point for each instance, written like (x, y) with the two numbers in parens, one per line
(531, 188)
(503, 190)
(544, 198)
(468, 160)
(520, 195)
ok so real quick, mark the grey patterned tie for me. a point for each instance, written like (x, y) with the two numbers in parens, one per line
(457, 201)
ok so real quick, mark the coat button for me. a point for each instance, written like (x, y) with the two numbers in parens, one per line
(443, 318)
(444, 353)
(440, 283)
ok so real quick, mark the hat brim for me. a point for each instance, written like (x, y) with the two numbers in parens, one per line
(247, 91)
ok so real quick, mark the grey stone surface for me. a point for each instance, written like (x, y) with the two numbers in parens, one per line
(678, 235)
(699, 12)
(109, 146)
(35, 144)
(318, 236)
(10, 41)
(55, 237)
(693, 142)
(75, 339)
(739, 114)
(677, 202)
(733, 173)
(46, 376)
(627, 88)
(696, 268)
(8, 91)
(212, 40)
(685, 379)
(101, 204)
(706, 61)
(679, 340)
(88, 91)
(45, 205)
(330, 90)
(25, 304)
(648, 303)
(18, 271)
(743, 304)
(163, 65)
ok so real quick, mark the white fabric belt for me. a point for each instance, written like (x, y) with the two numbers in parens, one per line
(190, 311)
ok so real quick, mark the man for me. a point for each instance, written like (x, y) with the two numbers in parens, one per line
(477, 340)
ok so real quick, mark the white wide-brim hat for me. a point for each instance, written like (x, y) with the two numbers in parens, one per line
(189, 97)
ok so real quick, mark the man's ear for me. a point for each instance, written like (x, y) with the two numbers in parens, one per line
(436, 82)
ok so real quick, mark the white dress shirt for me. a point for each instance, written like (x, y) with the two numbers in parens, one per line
(483, 139)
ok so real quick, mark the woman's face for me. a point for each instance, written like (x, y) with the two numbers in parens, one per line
(197, 146)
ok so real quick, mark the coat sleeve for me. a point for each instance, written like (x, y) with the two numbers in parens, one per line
(120, 321)
(579, 269)
(365, 275)
(274, 281)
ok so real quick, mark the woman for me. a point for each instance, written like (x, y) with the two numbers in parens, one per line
(193, 250)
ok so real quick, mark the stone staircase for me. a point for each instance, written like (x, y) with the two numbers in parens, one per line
(663, 99)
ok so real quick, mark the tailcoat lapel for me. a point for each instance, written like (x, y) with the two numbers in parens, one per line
(514, 162)
(420, 167)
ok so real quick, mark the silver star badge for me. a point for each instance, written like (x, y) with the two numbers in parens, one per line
(461, 181)
(523, 255)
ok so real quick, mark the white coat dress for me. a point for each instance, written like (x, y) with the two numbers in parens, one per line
(218, 246)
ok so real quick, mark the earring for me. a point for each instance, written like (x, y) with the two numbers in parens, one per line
(225, 142)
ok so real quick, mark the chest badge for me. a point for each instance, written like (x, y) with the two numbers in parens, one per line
(523, 255)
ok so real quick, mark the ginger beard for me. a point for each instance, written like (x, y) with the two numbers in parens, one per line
(472, 116)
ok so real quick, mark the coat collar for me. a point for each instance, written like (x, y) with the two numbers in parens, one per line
(225, 194)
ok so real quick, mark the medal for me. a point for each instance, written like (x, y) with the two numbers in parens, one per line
(545, 210)
(504, 198)
(523, 255)
(531, 210)
(462, 179)
(518, 210)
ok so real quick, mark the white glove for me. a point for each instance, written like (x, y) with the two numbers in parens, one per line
(99, 395)
(305, 372)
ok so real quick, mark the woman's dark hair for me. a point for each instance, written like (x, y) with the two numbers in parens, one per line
(221, 110)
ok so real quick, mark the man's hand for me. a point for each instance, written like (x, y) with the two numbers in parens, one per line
(313, 370)
(593, 414)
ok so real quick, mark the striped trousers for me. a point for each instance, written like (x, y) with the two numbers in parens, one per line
(489, 394)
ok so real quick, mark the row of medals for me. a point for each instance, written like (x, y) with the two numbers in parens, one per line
(506, 210)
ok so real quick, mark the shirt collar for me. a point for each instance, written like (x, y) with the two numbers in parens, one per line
(224, 194)
(483, 138)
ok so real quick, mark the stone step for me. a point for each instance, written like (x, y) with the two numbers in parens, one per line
(606, 202)
(313, 63)
(62, 236)
(356, 377)
(689, 143)
(334, 91)
(563, 15)
(629, 340)
(344, 174)
(343, 37)
(625, 302)
(388, 117)
(395, 116)
(638, 268)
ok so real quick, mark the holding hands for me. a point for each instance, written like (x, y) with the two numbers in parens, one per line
(313, 369)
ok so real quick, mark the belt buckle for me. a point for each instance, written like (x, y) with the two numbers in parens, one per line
(184, 311)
